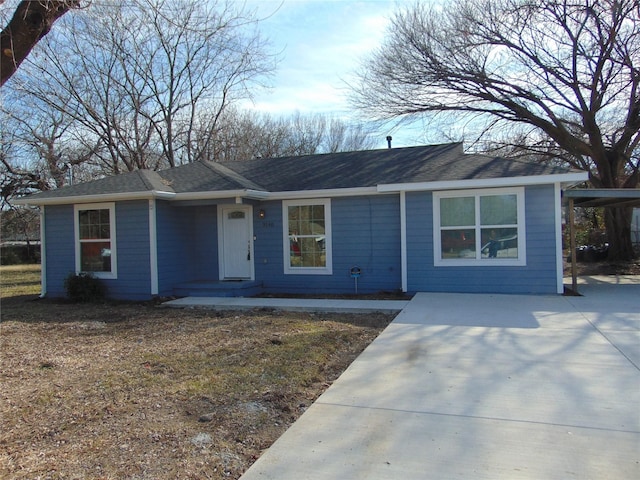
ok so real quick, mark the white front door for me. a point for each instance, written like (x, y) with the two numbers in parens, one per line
(236, 247)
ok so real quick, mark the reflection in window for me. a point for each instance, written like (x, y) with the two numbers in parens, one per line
(307, 236)
(95, 240)
(480, 226)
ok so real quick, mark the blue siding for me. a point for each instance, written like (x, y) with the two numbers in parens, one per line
(267, 247)
(205, 242)
(365, 233)
(187, 244)
(537, 276)
(132, 242)
(59, 247)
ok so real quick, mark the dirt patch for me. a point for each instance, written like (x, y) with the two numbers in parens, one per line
(343, 296)
(137, 391)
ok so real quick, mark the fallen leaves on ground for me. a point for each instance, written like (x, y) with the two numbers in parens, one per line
(140, 392)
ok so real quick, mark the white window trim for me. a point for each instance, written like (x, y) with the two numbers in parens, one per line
(113, 274)
(477, 262)
(288, 269)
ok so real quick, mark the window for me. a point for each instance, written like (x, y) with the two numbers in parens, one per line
(95, 239)
(307, 237)
(479, 227)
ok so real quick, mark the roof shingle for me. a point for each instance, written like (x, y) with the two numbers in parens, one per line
(434, 163)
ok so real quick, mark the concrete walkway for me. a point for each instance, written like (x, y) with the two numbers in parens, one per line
(482, 387)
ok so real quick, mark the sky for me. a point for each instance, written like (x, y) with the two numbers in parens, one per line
(321, 43)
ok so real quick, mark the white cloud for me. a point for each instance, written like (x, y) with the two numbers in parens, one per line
(322, 43)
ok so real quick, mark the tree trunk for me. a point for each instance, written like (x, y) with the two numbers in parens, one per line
(618, 225)
(31, 21)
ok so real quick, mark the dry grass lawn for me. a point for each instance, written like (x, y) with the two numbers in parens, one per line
(136, 391)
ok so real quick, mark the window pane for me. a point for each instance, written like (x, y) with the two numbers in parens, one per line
(498, 210)
(307, 236)
(95, 256)
(239, 215)
(458, 243)
(312, 222)
(94, 217)
(312, 252)
(459, 211)
(94, 224)
(499, 242)
(308, 252)
(294, 220)
(306, 220)
(318, 213)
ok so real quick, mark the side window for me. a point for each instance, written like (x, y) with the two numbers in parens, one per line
(95, 239)
(307, 237)
(479, 227)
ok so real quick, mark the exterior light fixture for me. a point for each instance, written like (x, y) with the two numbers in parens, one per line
(262, 214)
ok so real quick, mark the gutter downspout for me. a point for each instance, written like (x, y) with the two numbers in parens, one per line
(43, 255)
(403, 240)
(153, 247)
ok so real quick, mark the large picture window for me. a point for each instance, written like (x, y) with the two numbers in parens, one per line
(95, 239)
(479, 227)
(307, 236)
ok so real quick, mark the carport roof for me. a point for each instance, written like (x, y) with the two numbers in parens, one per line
(604, 197)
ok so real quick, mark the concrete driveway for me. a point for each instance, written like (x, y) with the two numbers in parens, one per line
(482, 387)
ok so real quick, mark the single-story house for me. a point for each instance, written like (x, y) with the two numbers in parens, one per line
(428, 218)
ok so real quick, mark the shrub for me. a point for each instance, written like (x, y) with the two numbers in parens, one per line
(84, 287)
(19, 254)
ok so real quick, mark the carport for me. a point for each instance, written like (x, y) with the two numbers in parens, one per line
(596, 197)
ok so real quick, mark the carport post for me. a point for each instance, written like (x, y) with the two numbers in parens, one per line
(572, 246)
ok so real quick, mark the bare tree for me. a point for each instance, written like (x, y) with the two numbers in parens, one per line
(32, 20)
(341, 136)
(563, 74)
(243, 135)
(135, 77)
(43, 140)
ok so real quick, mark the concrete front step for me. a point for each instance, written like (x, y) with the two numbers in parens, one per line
(216, 288)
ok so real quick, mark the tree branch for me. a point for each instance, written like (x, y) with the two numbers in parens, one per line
(31, 21)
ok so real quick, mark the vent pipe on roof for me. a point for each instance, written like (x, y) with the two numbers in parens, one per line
(389, 140)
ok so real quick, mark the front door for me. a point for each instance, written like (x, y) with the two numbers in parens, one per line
(236, 250)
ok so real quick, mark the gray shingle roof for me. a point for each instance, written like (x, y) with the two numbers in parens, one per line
(369, 168)
(131, 182)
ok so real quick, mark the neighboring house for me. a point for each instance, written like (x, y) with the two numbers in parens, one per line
(413, 219)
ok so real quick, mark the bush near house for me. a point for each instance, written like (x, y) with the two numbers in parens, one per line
(16, 253)
(84, 288)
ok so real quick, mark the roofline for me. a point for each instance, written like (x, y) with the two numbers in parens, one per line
(148, 195)
(603, 192)
(567, 178)
(604, 197)
(214, 195)
(101, 197)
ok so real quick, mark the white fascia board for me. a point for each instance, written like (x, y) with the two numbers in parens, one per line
(329, 193)
(569, 178)
(292, 195)
(215, 195)
(99, 198)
